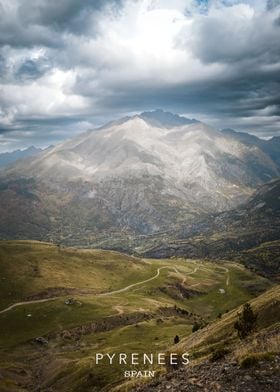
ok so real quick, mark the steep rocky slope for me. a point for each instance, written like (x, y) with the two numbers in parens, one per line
(249, 233)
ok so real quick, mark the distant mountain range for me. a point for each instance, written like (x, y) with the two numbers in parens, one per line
(271, 147)
(152, 173)
(7, 158)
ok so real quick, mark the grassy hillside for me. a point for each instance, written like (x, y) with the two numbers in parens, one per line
(119, 303)
(222, 332)
(30, 268)
(220, 360)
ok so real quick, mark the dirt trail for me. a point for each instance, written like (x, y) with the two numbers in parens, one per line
(218, 266)
(137, 283)
(35, 301)
(109, 293)
(102, 294)
(119, 309)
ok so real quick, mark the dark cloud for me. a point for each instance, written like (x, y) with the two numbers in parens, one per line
(271, 4)
(32, 69)
(26, 23)
(229, 40)
(51, 13)
(2, 66)
(61, 14)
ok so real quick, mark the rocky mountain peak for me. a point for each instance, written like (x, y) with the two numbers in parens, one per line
(164, 119)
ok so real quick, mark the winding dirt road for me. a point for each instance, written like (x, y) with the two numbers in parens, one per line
(223, 268)
(137, 283)
(109, 293)
(102, 294)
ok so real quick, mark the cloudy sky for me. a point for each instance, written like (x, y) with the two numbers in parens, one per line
(69, 65)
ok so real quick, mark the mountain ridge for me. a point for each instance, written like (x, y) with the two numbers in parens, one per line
(132, 176)
(270, 146)
(8, 158)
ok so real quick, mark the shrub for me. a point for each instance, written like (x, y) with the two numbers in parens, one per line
(219, 353)
(246, 321)
(254, 358)
(196, 326)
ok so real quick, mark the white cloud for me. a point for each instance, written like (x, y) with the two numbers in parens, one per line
(49, 95)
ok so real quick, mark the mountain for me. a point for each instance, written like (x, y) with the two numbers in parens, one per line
(7, 158)
(271, 147)
(140, 175)
(249, 233)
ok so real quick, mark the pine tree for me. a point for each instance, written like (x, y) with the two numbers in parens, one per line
(195, 327)
(246, 321)
(176, 339)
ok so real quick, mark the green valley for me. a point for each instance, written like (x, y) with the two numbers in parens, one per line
(59, 306)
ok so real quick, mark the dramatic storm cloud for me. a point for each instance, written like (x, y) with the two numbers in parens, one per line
(67, 65)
